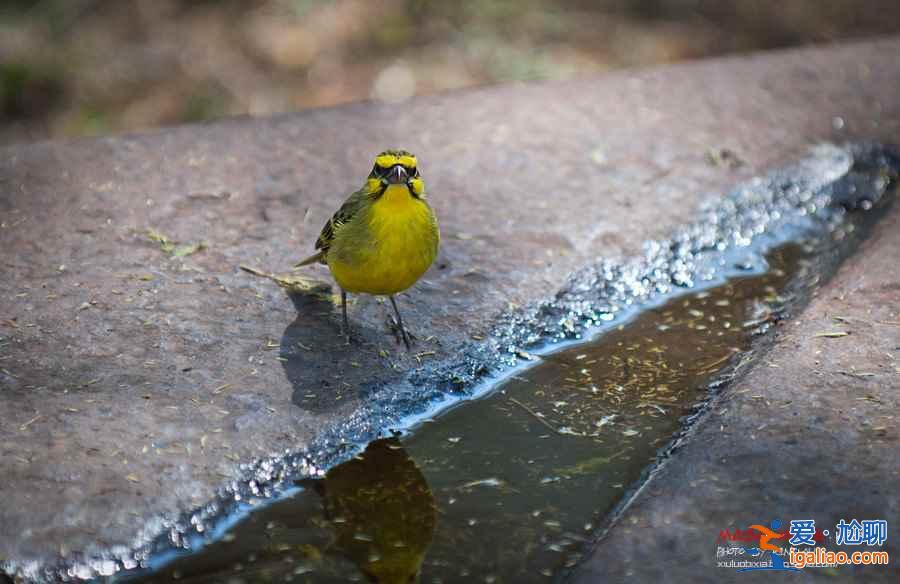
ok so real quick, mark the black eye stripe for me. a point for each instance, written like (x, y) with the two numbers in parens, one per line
(379, 171)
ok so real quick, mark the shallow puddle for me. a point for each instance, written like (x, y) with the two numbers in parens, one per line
(511, 487)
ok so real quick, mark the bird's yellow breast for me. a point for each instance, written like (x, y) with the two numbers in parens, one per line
(386, 249)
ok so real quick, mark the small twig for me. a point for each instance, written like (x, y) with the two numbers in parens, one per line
(717, 362)
(256, 272)
(24, 426)
(832, 334)
(294, 283)
(535, 415)
(855, 374)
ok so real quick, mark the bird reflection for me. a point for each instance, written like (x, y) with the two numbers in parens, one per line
(382, 511)
(375, 510)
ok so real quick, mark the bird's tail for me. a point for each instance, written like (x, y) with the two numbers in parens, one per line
(319, 256)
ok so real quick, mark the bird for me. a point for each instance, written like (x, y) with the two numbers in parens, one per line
(383, 238)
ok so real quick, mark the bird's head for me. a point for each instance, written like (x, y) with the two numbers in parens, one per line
(396, 167)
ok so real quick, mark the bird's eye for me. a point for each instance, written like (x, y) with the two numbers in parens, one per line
(413, 172)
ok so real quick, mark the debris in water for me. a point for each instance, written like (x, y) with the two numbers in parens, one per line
(491, 482)
(605, 420)
(535, 415)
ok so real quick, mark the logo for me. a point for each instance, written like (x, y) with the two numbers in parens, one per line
(802, 545)
(764, 555)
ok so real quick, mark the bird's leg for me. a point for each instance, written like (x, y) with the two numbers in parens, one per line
(400, 323)
(346, 326)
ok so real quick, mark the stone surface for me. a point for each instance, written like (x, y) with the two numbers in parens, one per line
(133, 382)
(810, 432)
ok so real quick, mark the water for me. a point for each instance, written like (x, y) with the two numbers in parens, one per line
(556, 447)
(510, 488)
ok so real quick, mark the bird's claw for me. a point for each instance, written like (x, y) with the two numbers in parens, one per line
(400, 332)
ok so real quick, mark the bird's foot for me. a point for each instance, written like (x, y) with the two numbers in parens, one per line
(347, 335)
(401, 332)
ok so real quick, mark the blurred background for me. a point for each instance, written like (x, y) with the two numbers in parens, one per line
(88, 67)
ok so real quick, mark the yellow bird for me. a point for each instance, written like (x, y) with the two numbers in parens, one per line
(384, 236)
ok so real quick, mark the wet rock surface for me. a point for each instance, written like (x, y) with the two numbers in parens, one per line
(141, 366)
(810, 432)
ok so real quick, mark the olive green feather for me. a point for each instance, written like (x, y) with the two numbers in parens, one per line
(348, 210)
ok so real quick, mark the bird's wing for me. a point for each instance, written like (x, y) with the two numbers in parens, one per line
(348, 210)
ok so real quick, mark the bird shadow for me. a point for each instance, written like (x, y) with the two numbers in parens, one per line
(326, 371)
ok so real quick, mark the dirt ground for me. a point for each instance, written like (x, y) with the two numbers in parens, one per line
(90, 67)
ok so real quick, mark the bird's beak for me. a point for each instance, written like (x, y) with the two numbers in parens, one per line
(397, 175)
